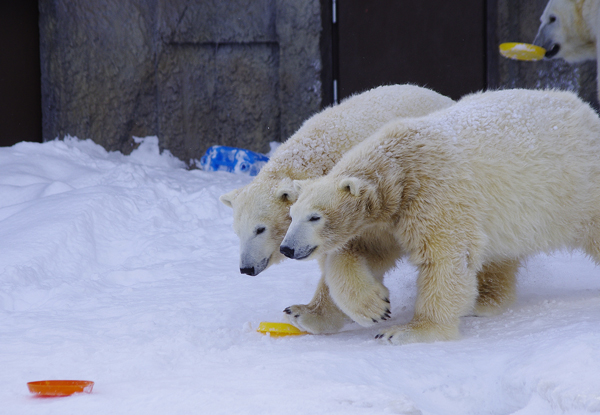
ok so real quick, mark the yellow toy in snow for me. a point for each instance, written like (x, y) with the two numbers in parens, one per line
(279, 329)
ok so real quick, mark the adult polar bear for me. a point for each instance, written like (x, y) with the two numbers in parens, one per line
(570, 29)
(261, 209)
(468, 192)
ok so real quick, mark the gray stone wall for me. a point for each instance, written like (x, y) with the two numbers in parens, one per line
(518, 21)
(195, 73)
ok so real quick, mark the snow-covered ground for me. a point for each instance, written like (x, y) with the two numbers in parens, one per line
(124, 270)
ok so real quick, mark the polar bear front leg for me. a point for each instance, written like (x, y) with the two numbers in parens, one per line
(355, 289)
(320, 316)
(446, 291)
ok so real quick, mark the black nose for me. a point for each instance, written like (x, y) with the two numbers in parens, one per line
(248, 271)
(287, 251)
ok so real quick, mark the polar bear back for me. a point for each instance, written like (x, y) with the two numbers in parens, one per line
(540, 135)
(526, 163)
(535, 162)
(323, 139)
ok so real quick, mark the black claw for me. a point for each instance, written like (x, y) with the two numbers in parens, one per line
(379, 336)
(374, 321)
(387, 315)
(287, 310)
(387, 300)
(387, 311)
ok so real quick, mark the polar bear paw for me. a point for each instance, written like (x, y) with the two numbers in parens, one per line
(367, 306)
(418, 332)
(314, 320)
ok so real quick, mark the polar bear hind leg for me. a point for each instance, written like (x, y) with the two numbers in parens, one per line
(496, 284)
(591, 244)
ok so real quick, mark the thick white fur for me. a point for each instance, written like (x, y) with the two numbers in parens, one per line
(467, 193)
(261, 209)
(573, 28)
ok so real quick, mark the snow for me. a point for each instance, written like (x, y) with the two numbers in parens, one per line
(124, 270)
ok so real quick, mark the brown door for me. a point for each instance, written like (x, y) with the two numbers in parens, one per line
(20, 83)
(439, 44)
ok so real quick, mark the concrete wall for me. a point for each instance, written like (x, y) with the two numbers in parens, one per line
(518, 21)
(236, 72)
(194, 73)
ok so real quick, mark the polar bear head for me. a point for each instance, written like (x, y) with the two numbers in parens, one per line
(260, 220)
(568, 30)
(329, 212)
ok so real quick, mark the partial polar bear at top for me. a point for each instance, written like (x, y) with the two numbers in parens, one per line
(570, 30)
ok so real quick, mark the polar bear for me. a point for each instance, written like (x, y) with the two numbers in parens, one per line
(468, 192)
(570, 29)
(261, 208)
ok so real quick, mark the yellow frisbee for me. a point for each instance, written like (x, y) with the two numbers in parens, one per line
(522, 51)
(279, 329)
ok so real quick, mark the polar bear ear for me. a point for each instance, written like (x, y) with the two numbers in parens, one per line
(228, 198)
(287, 192)
(352, 185)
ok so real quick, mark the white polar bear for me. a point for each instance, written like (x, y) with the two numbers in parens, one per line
(467, 192)
(261, 209)
(570, 30)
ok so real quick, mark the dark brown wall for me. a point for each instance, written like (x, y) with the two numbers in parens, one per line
(20, 97)
(435, 43)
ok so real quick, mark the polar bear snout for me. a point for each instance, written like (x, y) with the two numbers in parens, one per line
(287, 251)
(293, 253)
(255, 268)
(300, 241)
(547, 41)
(253, 271)
(248, 271)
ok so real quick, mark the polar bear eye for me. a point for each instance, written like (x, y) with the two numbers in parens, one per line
(260, 230)
(552, 19)
(314, 218)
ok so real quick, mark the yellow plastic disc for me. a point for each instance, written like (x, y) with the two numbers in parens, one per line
(279, 329)
(522, 51)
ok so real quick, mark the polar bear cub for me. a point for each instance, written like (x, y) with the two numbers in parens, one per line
(467, 192)
(261, 208)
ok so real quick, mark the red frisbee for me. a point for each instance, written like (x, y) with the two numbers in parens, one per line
(60, 387)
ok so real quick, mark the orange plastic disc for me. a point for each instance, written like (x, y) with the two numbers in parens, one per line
(60, 387)
(279, 329)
